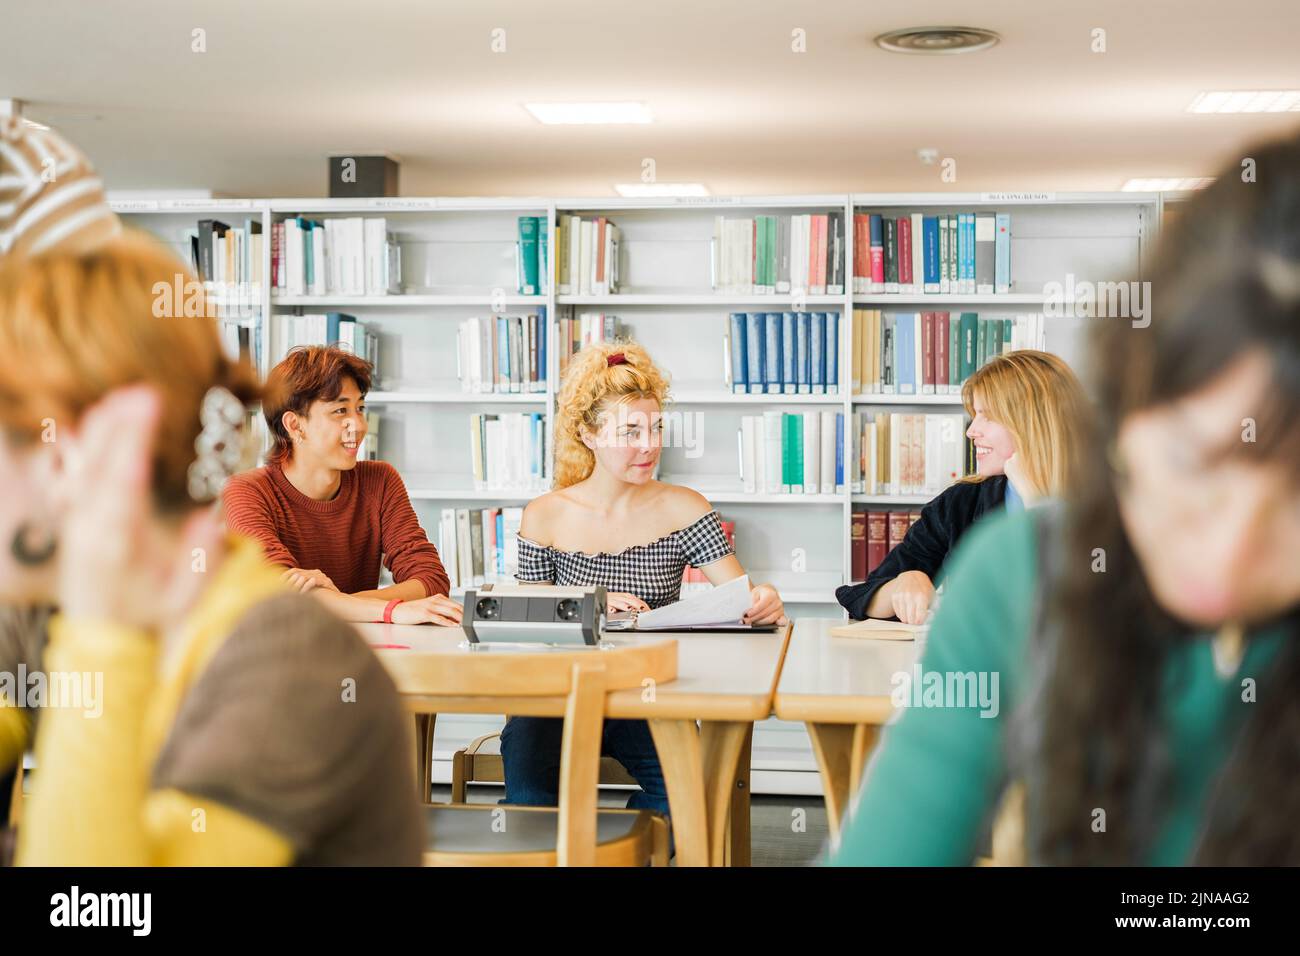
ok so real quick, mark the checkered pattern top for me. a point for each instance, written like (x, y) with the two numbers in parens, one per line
(653, 572)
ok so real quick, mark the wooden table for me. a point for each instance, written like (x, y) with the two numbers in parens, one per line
(840, 688)
(726, 682)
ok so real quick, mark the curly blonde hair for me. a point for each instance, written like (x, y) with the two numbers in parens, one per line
(591, 385)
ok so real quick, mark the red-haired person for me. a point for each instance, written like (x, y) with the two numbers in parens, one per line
(327, 518)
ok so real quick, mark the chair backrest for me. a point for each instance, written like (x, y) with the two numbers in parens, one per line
(576, 681)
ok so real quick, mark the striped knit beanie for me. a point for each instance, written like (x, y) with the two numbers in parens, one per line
(50, 196)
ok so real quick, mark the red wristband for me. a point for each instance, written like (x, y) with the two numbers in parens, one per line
(388, 610)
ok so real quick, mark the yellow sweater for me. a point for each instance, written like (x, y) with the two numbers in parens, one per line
(90, 803)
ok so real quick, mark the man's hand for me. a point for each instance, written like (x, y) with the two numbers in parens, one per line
(436, 609)
(302, 580)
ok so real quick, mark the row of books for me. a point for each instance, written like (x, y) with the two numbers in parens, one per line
(779, 254)
(342, 256)
(578, 331)
(932, 353)
(531, 271)
(479, 545)
(965, 252)
(228, 261)
(783, 353)
(332, 328)
(896, 453)
(242, 341)
(587, 253)
(509, 452)
(693, 579)
(502, 353)
(872, 535)
(792, 452)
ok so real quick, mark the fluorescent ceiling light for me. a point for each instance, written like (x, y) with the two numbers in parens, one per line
(581, 113)
(1166, 185)
(32, 124)
(1246, 101)
(661, 189)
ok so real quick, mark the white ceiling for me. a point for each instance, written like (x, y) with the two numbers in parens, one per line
(286, 83)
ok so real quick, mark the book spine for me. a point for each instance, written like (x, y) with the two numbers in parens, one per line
(739, 355)
(772, 353)
(755, 335)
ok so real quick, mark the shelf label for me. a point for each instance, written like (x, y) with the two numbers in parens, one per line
(133, 205)
(1018, 197)
(202, 204)
(398, 203)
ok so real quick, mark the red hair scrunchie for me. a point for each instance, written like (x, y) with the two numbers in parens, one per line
(618, 358)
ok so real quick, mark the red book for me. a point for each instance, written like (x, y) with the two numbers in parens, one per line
(905, 251)
(277, 237)
(927, 353)
(899, 522)
(600, 248)
(861, 250)
(858, 545)
(941, 352)
(823, 224)
(877, 538)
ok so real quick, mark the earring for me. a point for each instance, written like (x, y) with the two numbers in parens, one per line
(30, 556)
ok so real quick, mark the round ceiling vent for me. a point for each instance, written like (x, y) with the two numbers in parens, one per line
(937, 40)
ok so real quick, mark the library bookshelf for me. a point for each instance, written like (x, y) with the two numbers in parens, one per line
(458, 260)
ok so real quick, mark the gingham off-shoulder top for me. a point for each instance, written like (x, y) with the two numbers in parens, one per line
(653, 572)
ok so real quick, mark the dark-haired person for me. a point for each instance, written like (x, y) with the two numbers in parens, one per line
(1028, 415)
(328, 518)
(1159, 682)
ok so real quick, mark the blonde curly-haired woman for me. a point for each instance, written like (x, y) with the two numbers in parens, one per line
(610, 522)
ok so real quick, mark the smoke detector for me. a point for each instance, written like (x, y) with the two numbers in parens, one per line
(935, 41)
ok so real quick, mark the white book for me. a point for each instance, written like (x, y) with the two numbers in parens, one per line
(811, 452)
(447, 545)
(870, 484)
(464, 553)
(934, 454)
(895, 454)
(918, 349)
(918, 254)
(511, 518)
(294, 273)
(748, 462)
(772, 462)
(855, 460)
(828, 453)
(318, 244)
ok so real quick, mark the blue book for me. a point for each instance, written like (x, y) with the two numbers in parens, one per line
(832, 352)
(803, 360)
(334, 326)
(789, 350)
(772, 353)
(754, 338)
(503, 354)
(499, 552)
(930, 229)
(905, 327)
(970, 252)
(817, 349)
(739, 361)
(839, 451)
(1002, 254)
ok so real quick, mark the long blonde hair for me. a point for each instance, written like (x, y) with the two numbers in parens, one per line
(591, 385)
(1039, 399)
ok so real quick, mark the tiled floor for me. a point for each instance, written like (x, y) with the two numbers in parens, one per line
(784, 831)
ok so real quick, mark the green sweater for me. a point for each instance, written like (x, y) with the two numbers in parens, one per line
(939, 772)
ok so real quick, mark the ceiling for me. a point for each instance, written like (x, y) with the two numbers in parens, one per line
(284, 84)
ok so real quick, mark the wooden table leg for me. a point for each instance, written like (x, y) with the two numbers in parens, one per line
(841, 751)
(424, 724)
(699, 774)
(738, 847)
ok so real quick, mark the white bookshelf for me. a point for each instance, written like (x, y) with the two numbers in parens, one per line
(458, 261)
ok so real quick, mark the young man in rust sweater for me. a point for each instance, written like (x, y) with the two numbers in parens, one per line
(326, 517)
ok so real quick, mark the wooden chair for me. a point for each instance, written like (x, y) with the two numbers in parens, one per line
(572, 685)
(481, 762)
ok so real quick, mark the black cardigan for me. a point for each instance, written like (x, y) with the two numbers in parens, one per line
(929, 542)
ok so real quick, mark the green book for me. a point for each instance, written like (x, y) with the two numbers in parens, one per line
(1006, 335)
(761, 253)
(787, 450)
(969, 328)
(543, 256)
(527, 251)
(796, 458)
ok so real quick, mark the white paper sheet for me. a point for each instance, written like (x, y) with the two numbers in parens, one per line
(721, 605)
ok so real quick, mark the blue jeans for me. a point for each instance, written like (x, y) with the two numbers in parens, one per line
(530, 749)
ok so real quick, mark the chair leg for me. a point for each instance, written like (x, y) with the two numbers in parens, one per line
(659, 841)
(461, 770)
